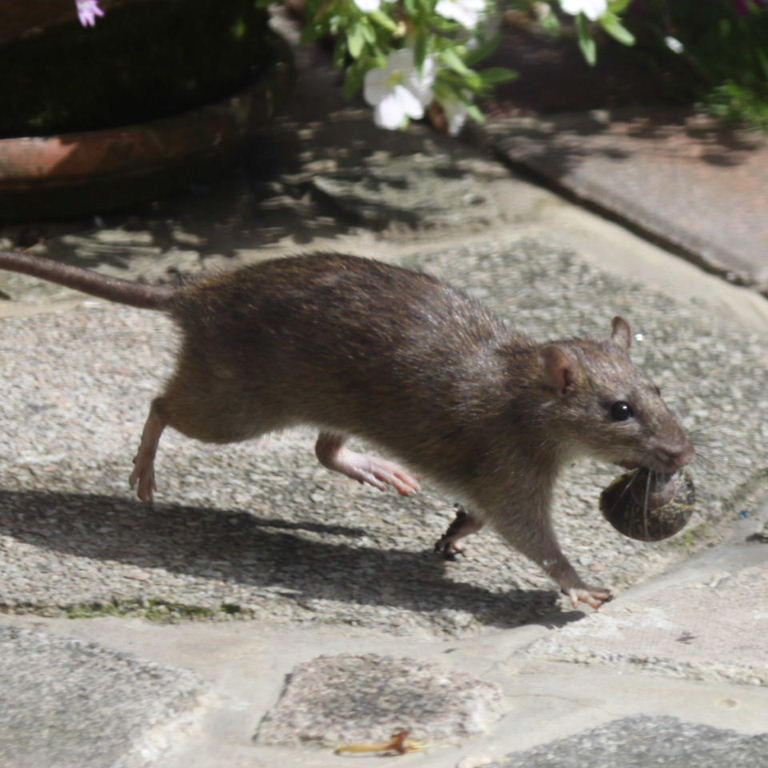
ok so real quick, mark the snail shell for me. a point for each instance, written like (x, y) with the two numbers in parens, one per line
(649, 507)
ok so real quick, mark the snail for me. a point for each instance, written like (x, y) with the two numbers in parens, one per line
(649, 506)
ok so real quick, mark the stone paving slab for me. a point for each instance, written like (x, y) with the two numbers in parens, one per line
(461, 192)
(642, 742)
(65, 703)
(331, 700)
(683, 180)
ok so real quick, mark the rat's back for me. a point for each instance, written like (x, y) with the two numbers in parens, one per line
(338, 341)
(318, 301)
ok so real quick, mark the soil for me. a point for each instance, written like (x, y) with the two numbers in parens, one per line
(71, 78)
(553, 76)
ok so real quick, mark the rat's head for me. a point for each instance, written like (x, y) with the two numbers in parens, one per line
(608, 408)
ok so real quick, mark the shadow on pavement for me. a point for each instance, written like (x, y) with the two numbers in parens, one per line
(259, 553)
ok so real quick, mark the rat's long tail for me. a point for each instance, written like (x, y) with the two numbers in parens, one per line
(88, 281)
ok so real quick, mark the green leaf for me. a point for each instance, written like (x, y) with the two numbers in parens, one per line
(383, 20)
(617, 6)
(586, 41)
(455, 62)
(369, 33)
(476, 113)
(420, 49)
(353, 81)
(762, 61)
(613, 26)
(355, 40)
(483, 51)
(340, 53)
(551, 24)
(424, 7)
(458, 82)
(497, 75)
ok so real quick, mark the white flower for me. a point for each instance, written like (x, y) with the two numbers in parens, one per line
(467, 12)
(399, 91)
(592, 9)
(674, 44)
(368, 6)
(455, 112)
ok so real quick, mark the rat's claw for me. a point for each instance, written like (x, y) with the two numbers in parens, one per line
(364, 477)
(380, 474)
(143, 479)
(448, 551)
(143, 475)
(400, 479)
(592, 596)
(462, 525)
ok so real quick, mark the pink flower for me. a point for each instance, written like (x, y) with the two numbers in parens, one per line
(743, 7)
(88, 11)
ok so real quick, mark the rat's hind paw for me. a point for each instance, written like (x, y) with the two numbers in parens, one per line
(379, 473)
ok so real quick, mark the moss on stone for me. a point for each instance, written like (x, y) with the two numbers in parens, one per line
(153, 609)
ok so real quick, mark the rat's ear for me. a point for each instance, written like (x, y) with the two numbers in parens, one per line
(561, 368)
(622, 333)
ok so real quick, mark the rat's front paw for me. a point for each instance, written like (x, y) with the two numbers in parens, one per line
(592, 596)
(447, 549)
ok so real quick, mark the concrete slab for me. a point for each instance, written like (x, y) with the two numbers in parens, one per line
(74, 704)
(671, 631)
(641, 742)
(678, 178)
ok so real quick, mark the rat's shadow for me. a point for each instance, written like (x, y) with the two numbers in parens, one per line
(301, 560)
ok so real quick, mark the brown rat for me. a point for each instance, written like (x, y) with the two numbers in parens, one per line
(358, 347)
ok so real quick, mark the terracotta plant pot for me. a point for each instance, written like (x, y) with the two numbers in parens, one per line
(158, 94)
(75, 173)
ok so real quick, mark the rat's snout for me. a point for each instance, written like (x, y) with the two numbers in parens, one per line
(676, 455)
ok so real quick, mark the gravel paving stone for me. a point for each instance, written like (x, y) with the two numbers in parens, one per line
(357, 698)
(57, 694)
(642, 742)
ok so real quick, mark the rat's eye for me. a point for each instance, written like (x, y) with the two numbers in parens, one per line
(621, 411)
